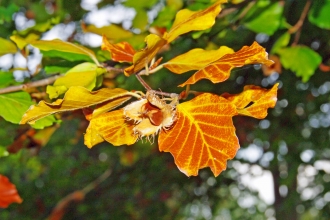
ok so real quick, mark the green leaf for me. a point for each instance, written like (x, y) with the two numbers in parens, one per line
(56, 69)
(84, 74)
(6, 78)
(301, 60)
(7, 47)
(281, 42)
(140, 20)
(14, 105)
(64, 46)
(140, 4)
(264, 17)
(67, 56)
(319, 14)
(44, 122)
(6, 13)
(22, 42)
(3, 151)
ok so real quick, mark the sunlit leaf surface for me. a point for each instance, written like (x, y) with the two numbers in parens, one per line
(64, 46)
(203, 135)
(112, 127)
(7, 47)
(186, 21)
(75, 98)
(195, 59)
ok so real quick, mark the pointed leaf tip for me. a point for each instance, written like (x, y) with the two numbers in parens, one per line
(8, 193)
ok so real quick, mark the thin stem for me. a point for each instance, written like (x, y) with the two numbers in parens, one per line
(97, 182)
(172, 95)
(113, 69)
(145, 85)
(297, 27)
(42, 82)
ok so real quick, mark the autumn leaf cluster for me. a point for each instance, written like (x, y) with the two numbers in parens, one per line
(198, 133)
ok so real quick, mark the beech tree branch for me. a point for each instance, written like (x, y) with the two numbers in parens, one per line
(42, 82)
(76, 196)
(297, 27)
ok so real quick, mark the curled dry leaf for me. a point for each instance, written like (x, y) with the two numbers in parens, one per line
(202, 136)
(261, 100)
(121, 52)
(219, 70)
(8, 193)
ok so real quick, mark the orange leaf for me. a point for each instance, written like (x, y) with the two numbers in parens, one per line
(112, 127)
(75, 98)
(121, 52)
(261, 99)
(144, 56)
(203, 135)
(8, 193)
(219, 70)
(186, 21)
(195, 59)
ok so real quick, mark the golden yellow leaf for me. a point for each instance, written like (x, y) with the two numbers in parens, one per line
(186, 21)
(64, 46)
(111, 31)
(144, 56)
(75, 98)
(219, 70)
(109, 105)
(195, 59)
(202, 136)
(261, 99)
(112, 127)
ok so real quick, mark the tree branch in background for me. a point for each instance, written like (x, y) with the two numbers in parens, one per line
(297, 27)
(77, 196)
(42, 82)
